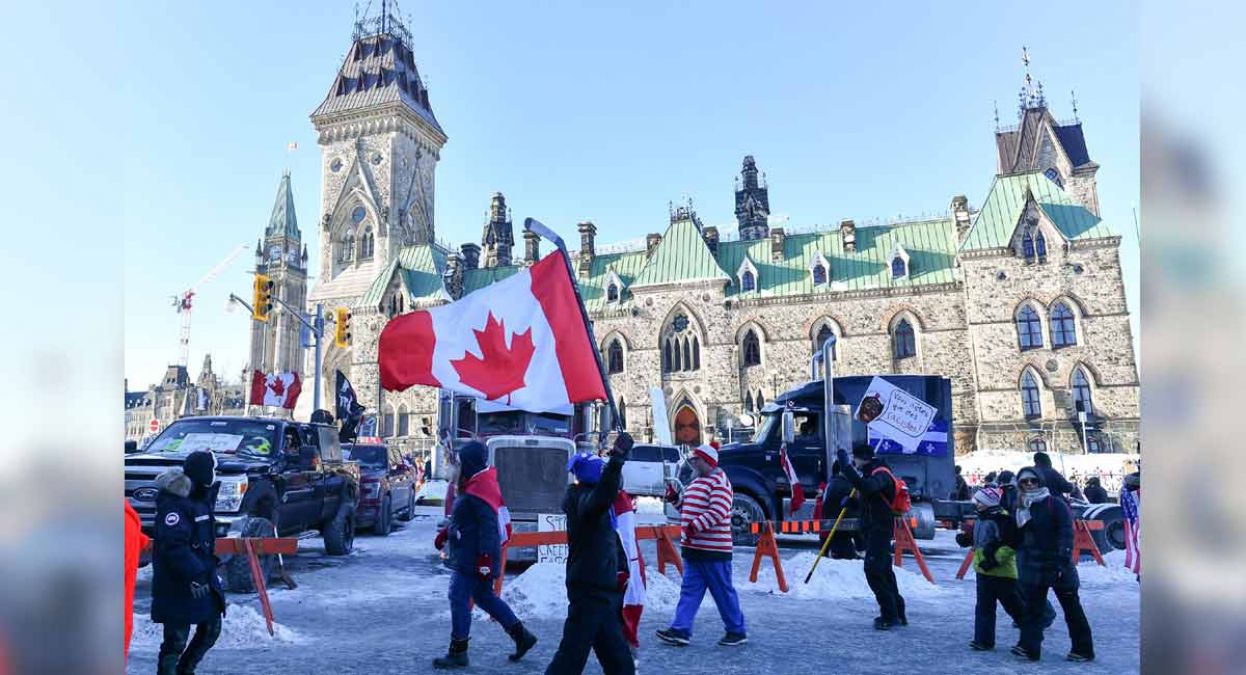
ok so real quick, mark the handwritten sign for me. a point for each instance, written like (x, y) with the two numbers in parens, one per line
(894, 414)
(551, 522)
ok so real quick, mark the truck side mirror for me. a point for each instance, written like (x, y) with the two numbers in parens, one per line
(789, 426)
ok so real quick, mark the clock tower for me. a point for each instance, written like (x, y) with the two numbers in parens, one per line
(281, 254)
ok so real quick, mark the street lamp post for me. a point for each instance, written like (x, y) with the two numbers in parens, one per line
(316, 326)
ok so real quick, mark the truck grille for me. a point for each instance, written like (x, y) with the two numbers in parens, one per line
(533, 479)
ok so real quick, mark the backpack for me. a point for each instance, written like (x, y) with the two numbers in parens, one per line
(902, 502)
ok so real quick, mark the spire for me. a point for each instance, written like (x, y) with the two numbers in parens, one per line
(752, 203)
(1031, 94)
(498, 238)
(283, 222)
(1076, 118)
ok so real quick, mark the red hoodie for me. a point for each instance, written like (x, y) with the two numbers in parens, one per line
(135, 542)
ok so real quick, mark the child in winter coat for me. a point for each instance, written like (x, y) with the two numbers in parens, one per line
(475, 543)
(994, 558)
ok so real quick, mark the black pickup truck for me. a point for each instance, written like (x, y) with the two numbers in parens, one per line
(276, 476)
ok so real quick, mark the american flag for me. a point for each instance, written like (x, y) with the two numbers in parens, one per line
(1130, 500)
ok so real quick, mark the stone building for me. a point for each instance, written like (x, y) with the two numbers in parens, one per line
(177, 396)
(277, 345)
(1020, 302)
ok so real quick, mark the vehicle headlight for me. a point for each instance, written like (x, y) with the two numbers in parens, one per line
(229, 497)
(372, 490)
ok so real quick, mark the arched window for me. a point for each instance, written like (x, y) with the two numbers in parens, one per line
(898, 268)
(1029, 329)
(678, 364)
(687, 354)
(904, 342)
(1093, 446)
(761, 401)
(1063, 326)
(366, 244)
(750, 353)
(748, 282)
(612, 293)
(1027, 246)
(1031, 402)
(824, 334)
(696, 353)
(1038, 445)
(404, 421)
(819, 274)
(387, 424)
(681, 348)
(667, 364)
(1040, 245)
(748, 401)
(614, 357)
(346, 249)
(1082, 399)
(622, 413)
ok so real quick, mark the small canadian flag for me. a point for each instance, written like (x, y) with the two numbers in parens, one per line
(521, 341)
(279, 390)
(798, 490)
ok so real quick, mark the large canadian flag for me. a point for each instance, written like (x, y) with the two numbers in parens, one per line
(279, 390)
(521, 341)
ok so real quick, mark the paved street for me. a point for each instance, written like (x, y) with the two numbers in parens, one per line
(383, 610)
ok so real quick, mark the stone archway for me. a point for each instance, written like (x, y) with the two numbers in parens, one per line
(687, 426)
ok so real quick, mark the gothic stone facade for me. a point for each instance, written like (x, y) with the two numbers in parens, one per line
(1020, 302)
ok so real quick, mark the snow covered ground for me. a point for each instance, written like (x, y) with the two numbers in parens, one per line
(383, 610)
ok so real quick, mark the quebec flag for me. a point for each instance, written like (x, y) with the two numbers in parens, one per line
(933, 443)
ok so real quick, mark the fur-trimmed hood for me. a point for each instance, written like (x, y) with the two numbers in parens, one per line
(174, 481)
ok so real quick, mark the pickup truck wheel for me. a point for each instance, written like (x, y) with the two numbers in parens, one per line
(384, 518)
(1113, 533)
(409, 512)
(744, 512)
(238, 567)
(339, 533)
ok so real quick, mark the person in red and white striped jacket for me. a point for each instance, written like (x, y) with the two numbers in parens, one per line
(705, 515)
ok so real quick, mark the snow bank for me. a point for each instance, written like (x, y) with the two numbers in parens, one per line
(243, 628)
(541, 591)
(833, 580)
(1093, 575)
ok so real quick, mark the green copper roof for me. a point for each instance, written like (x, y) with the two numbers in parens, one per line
(996, 222)
(593, 289)
(681, 257)
(283, 221)
(479, 278)
(420, 269)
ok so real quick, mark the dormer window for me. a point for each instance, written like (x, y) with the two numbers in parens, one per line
(747, 276)
(899, 268)
(1054, 176)
(818, 269)
(819, 274)
(612, 293)
(614, 287)
(1034, 246)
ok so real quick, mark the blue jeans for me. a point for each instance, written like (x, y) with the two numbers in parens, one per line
(464, 588)
(716, 576)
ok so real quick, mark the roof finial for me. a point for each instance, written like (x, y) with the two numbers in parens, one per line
(996, 105)
(1028, 97)
(1073, 94)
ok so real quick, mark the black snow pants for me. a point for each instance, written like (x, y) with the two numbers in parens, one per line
(882, 578)
(594, 622)
(1006, 592)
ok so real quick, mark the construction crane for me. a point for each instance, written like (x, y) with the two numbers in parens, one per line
(184, 301)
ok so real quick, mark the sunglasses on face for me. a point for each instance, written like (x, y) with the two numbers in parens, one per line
(1028, 481)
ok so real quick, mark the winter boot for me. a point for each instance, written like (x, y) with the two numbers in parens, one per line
(167, 664)
(456, 656)
(524, 640)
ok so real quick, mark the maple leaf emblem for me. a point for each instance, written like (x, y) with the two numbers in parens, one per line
(502, 369)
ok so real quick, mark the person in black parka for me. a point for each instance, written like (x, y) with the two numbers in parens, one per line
(1053, 479)
(597, 568)
(1095, 494)
(844, 545)
(872, 479)
(185, 587)
(1045, 524)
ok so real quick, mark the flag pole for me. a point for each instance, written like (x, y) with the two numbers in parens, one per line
(534, 225)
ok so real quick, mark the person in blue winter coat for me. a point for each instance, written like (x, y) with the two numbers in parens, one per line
(185, 589)
(474, 558)
(1045, 524)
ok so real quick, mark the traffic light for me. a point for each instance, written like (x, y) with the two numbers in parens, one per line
(262, 302)
(341, 327)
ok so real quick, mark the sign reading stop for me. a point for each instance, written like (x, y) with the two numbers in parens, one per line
(154, 425)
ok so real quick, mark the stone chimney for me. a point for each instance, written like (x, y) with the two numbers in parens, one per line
(848, 235)
(471, 255)
(588, 240)
(710, 234)
(651, 243)
(960, 212)
(777, 237)
(452, 277)
(531, 247)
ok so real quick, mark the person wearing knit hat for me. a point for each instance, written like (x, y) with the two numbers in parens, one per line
(994, 557)
(877, 486)
(185, 589)
(1045, 524)
(705, 517)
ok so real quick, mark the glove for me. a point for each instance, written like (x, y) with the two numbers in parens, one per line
(621, 579)
(199, 591)
(622, 445)
(841, 456)
(964, 539)
(439, 541)
(484, 568)
(672, 493)
(690, 529)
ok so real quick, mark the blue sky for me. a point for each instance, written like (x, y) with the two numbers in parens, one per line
(861, 110)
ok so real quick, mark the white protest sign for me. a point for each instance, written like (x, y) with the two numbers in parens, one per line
(895, 414)
(551, 522)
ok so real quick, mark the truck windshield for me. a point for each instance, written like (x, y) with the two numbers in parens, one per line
(367, 455)
(253, 438)
(764, 426)
(519, 422)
